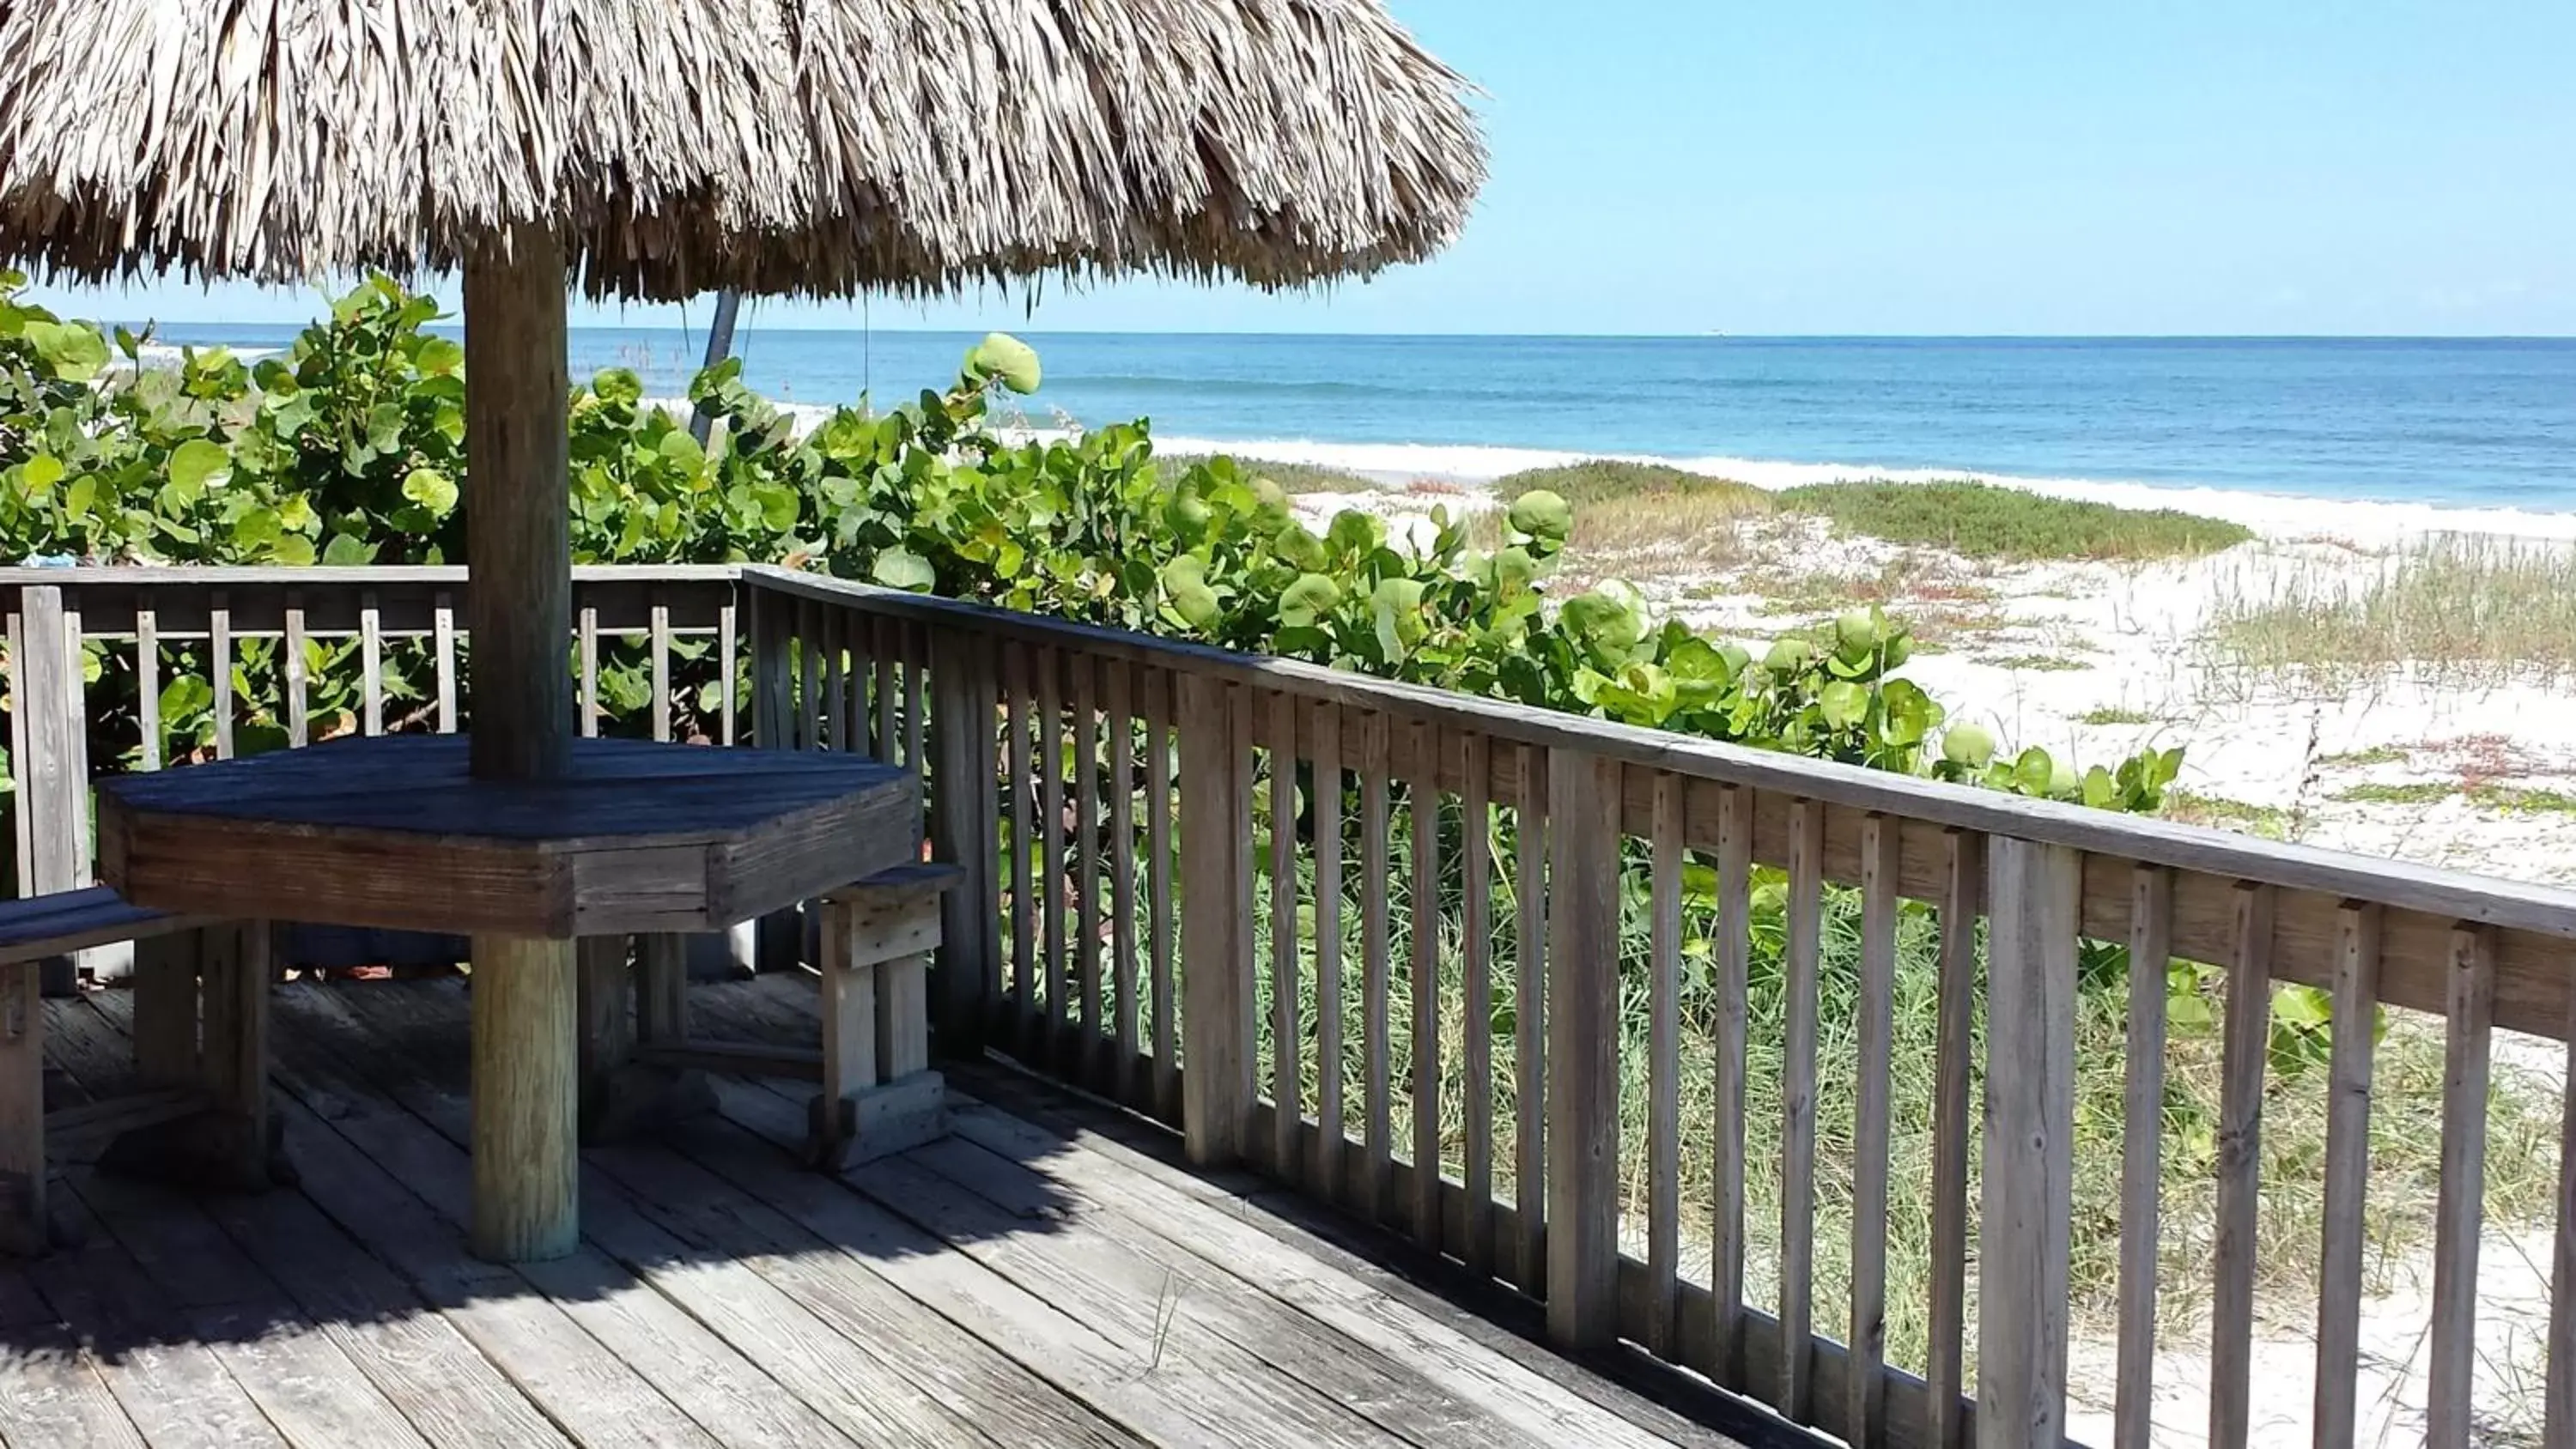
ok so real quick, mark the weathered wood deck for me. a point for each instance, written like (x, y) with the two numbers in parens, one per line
(1044, 1277)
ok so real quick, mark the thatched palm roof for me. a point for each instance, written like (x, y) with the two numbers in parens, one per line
(783, 146)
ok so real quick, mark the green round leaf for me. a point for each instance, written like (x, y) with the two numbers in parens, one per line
(901, 568)
(195, 462)
(430, 489)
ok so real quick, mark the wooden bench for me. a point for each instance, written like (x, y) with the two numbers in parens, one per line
(879, 1093)
(189, 974)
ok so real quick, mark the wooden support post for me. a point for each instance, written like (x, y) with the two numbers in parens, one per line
(879, 1094)
(237, 968)
(526, 1176)
(662, 989)
(606, 991)
(518, 604)
(1582, 1044)
(1217, 1001)
(165, 1009)
(2022, 1238)
(23, 1220)
(963, 674)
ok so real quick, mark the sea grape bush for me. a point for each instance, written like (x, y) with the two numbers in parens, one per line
(349, 449)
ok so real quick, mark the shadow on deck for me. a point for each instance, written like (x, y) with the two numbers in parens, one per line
(1045, 1276)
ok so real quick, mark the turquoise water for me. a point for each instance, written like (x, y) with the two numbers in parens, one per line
(2458, 423)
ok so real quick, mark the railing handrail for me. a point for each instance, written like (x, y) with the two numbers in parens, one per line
(2434, 890)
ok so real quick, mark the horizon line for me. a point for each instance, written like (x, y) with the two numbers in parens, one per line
(451, 323)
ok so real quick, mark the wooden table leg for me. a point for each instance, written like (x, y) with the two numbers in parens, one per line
(526, 1099)
(238, 969)
(22, 1111)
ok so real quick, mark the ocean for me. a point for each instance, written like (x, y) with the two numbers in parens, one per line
(2486, 425)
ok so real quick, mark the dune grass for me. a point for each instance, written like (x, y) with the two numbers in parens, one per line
(1981, 521)
(1627, 507)
(1295, 477)
(2467, 610)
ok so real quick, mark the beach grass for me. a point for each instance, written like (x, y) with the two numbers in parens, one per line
(1623, 507)
(1981, 521)
(1294, 477)
(2111, 714)
(2465, 610)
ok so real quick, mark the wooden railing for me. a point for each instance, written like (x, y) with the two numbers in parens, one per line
(1386, 944)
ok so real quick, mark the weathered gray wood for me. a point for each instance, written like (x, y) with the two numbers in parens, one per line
(662, 988)
(2247, 1037)
(443, 657)
(2141, 1158)
(1582, 1048)
(237, 966)
(1664, 1069)
(961, 775)
(165, 1010)
(1423, 791)
(1377, 973)
(2452, 1345)
(1324, 1175)
(887, 654)
(1216, 945)
(2347, 1175)
(2558, 1394)
(728, 668)
(526, 1098)
(916, 696)
(24, 1223)
(1022, 815)
(607, 994)
(659, 642)
(1089, 1039)
(291, 657)
(60, 922)
(1285, 1034)
(1055, 949)
(147, 685)
(371, 664)
(589, 667)
(518, 600)
(219, 649)
(742, 1058)
(1865, 1386)
(1161, 914)
(1119, 694)
(1529, 1018)
(1800, 985)
(810, 717)
(1476, 1055)
(1726, 1188)
(2023, 1229)
(51, 1393)
(47, 705)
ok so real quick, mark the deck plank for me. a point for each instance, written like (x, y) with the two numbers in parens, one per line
(51, 1393)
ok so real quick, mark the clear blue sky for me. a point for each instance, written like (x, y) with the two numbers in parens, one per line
(2215, 166)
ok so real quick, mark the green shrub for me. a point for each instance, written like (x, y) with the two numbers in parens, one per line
(1983, 521)
(1609, 480)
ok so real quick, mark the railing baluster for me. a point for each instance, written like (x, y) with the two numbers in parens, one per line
(963, 830)
(1424, 790)
(1962, 873)
(1330, 1134)
(371, 662)
(1376, 973)
(1050, 882)
(809, 689)
(1158, 891)
(292, 669)
(2247, 1038)
(2347, 1176)
(1122, 873)
(2141, 1155)
(1664, 1070)
(1023, 824)
(727, 665)
(1086, 862)
(589, 649)
(1284, 1036)
(442, 627)
(1726, 1176)
(660, 644)
(219, 629)
(1477, 1058)
(888, 650)
(1798, 1111)
(2453, 1344)
(147, 683)
(2558, 1396)
(836, 684)
(2036, 894)
(1864, 1383)
(915, 693)
(1529, 1014)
